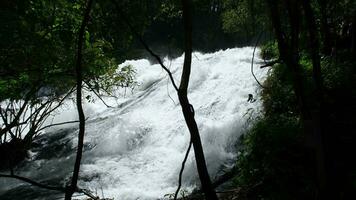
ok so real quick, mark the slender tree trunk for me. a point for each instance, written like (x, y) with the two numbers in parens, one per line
(314, 45)
(187, 108)
(78, 68)
(289, 54)
(323, 182)
(325, 30)
(353, 35)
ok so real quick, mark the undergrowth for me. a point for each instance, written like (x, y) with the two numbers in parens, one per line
(276, 160)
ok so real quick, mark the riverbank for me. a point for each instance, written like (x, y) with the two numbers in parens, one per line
(277, 158)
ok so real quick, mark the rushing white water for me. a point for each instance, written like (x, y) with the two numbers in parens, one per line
(135, 150)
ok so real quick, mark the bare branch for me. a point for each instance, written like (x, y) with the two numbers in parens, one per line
(48, 109)
(34, 183)
(57, 124)
(182, 169)
(271, 63)
(252, 60)
(148, 49)
(48, 187)
(88, 193)
(98, 95)
(14, 122)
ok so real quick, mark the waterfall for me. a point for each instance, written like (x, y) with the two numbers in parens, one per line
(134, 150)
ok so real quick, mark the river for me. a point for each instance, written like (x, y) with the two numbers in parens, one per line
(134, 150)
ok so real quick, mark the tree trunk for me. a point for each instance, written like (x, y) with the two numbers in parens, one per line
(323, 182)
(314, 46)
(353, 35)
(187, 108)
(198, 148)
(289, 54)
(78, 68)
(325, 30)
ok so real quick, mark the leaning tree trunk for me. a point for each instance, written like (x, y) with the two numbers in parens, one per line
(187, 108)
(78, 68)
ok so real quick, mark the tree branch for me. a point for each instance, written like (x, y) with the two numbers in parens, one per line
(88, 193)
(182, 169)
(48, 187)
(34, 183)
(270, 64)
(133, 30)
(252, 60)
(16, 118)
(98, 95)
(57, 124)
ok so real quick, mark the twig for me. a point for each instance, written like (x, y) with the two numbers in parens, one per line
(34, 183)
(88, 193)
(270, 64)
(102, 191)
(48, 187)
(170, 63)
(98, 95)
(182, 169)
(196, 56)
(253, 57)
(57, 124)
(229, 191)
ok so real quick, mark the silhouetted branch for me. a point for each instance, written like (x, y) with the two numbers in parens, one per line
(34, 183)
(270, 64)
(58, 124)
(182, 169)
(252, 60)
(14, 122)
(48, 187)
(148, 49)
(98, 95)
(88, 193)
(227, 176)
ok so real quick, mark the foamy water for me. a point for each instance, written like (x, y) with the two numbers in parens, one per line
(135, 150)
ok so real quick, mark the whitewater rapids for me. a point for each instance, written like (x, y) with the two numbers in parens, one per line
(135, 149)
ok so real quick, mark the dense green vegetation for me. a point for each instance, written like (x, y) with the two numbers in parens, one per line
(277, 159)
(38, 53)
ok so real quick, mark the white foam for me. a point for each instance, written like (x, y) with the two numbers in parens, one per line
(139, 145)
